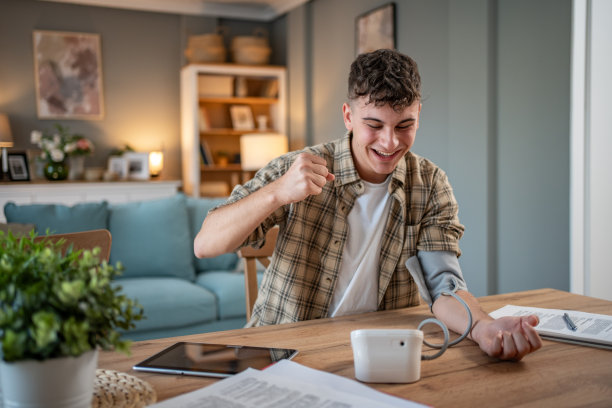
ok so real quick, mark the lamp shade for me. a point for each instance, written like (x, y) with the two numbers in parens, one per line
(6, 137)
(257, 149)
(156, 163)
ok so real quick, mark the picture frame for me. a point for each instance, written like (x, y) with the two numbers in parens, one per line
(375, 29)
(18, 167)
(68, 75)
(119, 166)
(137, 165)
(242, 117)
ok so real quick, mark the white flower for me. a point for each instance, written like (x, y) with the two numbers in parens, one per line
(57, 155)
(36, 136)
(47, 144)
(70, 147)
(57, 139)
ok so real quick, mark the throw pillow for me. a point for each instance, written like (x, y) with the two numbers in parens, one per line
(58, 218)
(152, 238)
(197, 209)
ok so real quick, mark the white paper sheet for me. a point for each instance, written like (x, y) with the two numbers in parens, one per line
(287, 385)
(290, 369)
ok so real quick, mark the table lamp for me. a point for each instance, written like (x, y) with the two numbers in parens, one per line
(257, 149)
(156, 163)
(6, 141)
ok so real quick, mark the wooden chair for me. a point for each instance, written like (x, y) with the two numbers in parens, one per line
(85, 240)
(250, 256)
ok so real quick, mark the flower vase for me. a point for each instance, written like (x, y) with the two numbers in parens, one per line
(76, 167)
(56, 170)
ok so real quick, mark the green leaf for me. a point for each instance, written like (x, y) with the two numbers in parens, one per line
(46, 326)
(54, 304)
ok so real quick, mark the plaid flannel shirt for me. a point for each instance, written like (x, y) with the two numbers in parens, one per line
(299, 283)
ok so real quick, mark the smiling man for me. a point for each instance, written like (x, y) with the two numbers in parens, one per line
(358, 217)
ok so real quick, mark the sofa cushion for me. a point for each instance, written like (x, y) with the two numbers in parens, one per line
(197, 209)
(152, 238)
(169, 302)
(58, 218)
(228, 287)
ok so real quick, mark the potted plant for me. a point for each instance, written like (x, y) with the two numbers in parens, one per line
(56, 310)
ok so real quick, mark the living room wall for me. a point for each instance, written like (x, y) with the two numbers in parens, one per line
(142, 55)
(495, 108)
(495, 117)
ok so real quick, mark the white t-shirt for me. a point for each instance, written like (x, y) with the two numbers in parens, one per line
(356, 289)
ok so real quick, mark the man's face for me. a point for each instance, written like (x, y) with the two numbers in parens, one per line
(381, 136)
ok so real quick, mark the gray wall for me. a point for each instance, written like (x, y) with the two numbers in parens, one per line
(142, 55)
(495, 109)
(495, 117)
(140, 66)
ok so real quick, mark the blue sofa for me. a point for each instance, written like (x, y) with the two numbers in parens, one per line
(180, 293)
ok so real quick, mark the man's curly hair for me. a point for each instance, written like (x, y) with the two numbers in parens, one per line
(385, 77)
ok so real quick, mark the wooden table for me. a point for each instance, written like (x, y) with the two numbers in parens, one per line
(558, 375)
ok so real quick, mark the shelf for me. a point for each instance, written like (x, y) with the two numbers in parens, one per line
(253, 100)
(228, 168)
(233, 132)
(207, 120)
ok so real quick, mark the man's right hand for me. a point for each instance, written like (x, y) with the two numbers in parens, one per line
(306, 176)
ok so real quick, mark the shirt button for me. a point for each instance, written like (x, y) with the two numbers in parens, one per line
(336, 243)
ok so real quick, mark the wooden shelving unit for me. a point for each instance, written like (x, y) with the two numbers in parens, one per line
(206, 120)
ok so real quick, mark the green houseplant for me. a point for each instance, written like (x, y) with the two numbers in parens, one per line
(56, 306)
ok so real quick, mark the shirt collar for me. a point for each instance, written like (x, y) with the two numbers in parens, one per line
(346, 173)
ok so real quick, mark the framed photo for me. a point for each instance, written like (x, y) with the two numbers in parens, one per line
(138, 165)
(376, 29)
(242, 117)
(18, 167)
(68, 74)
(119, 166)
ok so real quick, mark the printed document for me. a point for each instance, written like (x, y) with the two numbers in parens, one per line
(286, 384)
(591, 329)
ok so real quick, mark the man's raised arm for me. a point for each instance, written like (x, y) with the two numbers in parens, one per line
(226, 228)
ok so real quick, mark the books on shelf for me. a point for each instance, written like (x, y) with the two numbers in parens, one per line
(590, 329)
(207, 158)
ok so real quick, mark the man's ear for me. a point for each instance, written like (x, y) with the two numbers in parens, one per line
(347, 116)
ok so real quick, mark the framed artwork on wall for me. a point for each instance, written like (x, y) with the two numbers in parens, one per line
(18, 167)
(375, 29)
(68, 75)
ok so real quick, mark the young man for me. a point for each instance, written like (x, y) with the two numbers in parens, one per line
(358, 216)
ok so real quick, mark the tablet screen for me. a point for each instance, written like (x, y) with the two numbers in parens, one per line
(215, 360)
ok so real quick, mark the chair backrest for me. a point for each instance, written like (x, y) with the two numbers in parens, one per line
(85, 240)
(250, 256)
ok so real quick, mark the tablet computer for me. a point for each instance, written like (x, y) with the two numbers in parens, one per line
(212, 360)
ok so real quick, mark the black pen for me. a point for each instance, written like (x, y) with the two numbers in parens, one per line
(570, 324)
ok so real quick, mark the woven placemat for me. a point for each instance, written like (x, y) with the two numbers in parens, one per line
(120, 390)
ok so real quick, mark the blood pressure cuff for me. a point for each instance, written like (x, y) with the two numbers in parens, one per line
(435, 272)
